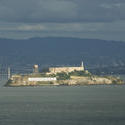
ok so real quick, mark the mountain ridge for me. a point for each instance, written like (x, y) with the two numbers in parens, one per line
(60, 50)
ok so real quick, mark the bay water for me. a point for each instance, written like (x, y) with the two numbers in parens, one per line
(63, 105)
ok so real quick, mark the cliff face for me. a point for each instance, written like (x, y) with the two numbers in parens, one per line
(75, 80)
(94, 80)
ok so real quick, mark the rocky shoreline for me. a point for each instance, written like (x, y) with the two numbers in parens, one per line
(74, 80)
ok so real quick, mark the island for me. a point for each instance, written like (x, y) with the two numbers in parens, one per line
(61, 76)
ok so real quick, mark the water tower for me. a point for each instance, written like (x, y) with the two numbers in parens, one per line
(35, 69)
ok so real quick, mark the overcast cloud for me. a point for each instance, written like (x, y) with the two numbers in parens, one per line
(103, 19)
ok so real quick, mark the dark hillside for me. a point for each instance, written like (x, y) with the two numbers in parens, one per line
(61, 51)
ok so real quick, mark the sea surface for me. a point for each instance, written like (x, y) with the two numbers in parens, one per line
(73, 105)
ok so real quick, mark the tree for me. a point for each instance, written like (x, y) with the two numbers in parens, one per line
(62, 76)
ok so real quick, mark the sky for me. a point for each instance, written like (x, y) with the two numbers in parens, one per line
(100, 19)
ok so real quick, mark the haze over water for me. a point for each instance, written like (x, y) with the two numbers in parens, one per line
(73, 105)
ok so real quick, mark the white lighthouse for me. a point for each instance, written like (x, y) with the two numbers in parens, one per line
(82, 65)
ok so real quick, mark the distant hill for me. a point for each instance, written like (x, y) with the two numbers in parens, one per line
(61, 51)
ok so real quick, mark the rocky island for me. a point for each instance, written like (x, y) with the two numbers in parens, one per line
(61, 76)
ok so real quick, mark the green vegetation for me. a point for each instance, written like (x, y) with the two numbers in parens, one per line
(37, 75)
(66, 76)
(117, 81)
(62, 76)
(80, 73)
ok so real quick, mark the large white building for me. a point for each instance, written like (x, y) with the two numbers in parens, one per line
(55, 70)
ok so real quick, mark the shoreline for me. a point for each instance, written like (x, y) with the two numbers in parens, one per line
(76, 78)
(23, 86)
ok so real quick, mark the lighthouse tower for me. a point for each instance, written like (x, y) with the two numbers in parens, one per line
(82, 66)
(9, 74)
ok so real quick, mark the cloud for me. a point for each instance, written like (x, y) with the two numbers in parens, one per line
(30, 27)
(104, 19)
(61, 10)
(37, 10)
(102, 30)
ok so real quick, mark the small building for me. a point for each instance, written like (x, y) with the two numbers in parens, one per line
(41, 79)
